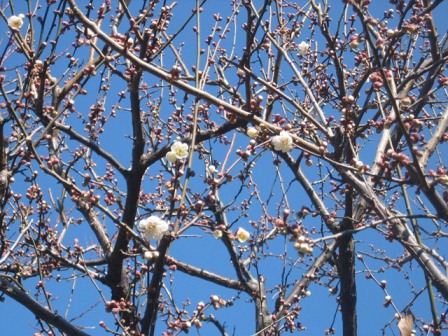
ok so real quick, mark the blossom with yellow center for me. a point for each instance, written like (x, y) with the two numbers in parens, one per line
(242, 235)
(252, 132)
(282, 142)
(153, 227)
(303, 48)
(178, 151)
(16, 21)
(217, 234)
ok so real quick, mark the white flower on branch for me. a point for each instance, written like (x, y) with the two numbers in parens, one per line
(147, 255)
(178, 151)
(242, 235)
(217, 234)
(153, 227)
(16, 21)
(303, 48)
(150, 255)
(282, 142)
(212, 170)
(252, 132)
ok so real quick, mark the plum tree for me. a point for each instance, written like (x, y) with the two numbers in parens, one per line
(233, 167)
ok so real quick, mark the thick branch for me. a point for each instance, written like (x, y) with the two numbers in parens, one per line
(37, 309)
(149, 320)
(346, 273)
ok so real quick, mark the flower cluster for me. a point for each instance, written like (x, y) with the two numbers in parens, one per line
(153, 227)
(16, 22)
(303, 245)
(282, 142)
(178, 151)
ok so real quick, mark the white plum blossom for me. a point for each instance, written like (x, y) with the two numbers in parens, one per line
(252, 132)
(150, 255)
(391, 32)
(212, 169)
(242, 235)
(303, 48)
(153, 227)
(147, 255)
(217, 234)
(282, 142)
(178, 151)
(303, 247)
(16, 21)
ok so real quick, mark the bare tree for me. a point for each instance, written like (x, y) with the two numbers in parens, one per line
(172, 163)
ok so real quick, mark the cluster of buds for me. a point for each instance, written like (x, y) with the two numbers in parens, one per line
(89, 197)
(440, 175)
(179, 324)
(151, 255)
(309, 161)
(410, 122)
(398, 157)
(78, 248)
(354, 41)
(306, 293)
(110, 198)
(330, 331)
(96, 119)
(378, 125)
(119, 306)
(410, 28)
(244, 154)
(303, 212)
(377, 79)
(90, 70)
(362, 58)
(304, 245)
(33, 192)
(280, 224)
(175, 72)
(104, 8)
(255, 104)
(217, 302)
(290, 320)
(387, 301)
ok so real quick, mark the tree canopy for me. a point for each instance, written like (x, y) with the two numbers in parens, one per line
(224, 167)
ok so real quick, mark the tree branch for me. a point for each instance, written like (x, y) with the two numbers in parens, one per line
(37, 309)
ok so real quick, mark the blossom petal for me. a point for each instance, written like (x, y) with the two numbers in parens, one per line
(171, 157)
